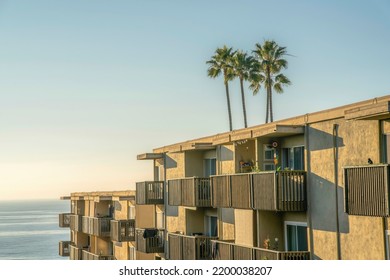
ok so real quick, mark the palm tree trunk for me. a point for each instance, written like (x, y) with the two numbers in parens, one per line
(243, 101)
(228, 104)
(270, 105)
(267, 111)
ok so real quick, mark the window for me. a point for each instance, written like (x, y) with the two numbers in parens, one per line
(268, 152)
(211, 226)
(295, 236)
(293, 158)
(269, 166)
(210, 167)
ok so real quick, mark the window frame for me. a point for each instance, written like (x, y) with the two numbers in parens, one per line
(292, 223)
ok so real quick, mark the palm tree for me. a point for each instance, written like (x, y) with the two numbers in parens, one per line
(242, 67)
(221, 63)
(270, 61)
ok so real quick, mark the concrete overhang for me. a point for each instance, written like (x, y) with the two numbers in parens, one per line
(376, 111)
(65, 197)
(279, 130)
(197, 146)
(102, 198)
(123, 198)
(148, 156)
(222, 139)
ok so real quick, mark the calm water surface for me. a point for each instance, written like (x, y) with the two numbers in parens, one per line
(29, 229)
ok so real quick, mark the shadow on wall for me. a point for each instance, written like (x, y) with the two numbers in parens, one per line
(170, 162)
(226, 154)
(170, 211)
(320, 140)
(323, 209)
(227, 215)
(117, 206)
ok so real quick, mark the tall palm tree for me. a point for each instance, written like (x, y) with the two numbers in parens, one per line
(242, 67)
(220, 63)
(270, 62)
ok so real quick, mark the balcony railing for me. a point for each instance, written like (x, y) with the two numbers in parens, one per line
(76, 222)
(227, 250)
(96, 226)
(122, 231)
(286, 191)
(150, 192)
(276, 191)
(64, 219)
(94, 257)
(150, 240)
(182, 247)
(63, 248)
(193, 192)
(74, 252)
(367, 190)
(221, 191)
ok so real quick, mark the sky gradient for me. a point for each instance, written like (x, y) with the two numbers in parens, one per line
(85, 86)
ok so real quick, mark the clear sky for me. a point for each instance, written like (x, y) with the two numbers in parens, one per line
(85, 86)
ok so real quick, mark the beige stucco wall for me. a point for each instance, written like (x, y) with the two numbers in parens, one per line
(225, 159)
(270, 227)
(144, 256)
(226, 222)
(194, 220)
(121, 250)
(145, 217)
(102, 208)
(194, 163)
(175, 167)
(358, 141)
(121, 210)
(177, 223)
(245, 227)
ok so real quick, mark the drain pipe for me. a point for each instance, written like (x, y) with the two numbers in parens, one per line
(336, 183)
(308, 192)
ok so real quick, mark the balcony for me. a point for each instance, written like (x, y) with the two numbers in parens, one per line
(123, 231)
(183, 247)
(64, 219)
(366, 190)
(272, 191)
(63, 248)
(96, 226)
(150, 240)
(150, 192)
(227, 250)
(75, 222)
(192, 192)
(74, 252)
(86, 255)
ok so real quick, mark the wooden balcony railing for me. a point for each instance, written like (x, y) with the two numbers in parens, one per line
(221, 191)
(241, 190)
(273, 190)
(150, 192)
(94, 257)
(366, 190)
(123, 230)
(227, 250)
(76, 222)
(149, 240)
(74, 252)
(183, 247)
(64, 219)
(192, 192)
(63, 248)
(96, 226)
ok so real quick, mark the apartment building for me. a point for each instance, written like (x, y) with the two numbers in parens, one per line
(314, 186)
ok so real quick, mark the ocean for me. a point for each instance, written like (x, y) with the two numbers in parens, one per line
(29, 229)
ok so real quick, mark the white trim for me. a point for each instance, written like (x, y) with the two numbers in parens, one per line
(291, 223)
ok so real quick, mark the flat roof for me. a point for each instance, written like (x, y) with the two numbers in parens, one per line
(374, 107)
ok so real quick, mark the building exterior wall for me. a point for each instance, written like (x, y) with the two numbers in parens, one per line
(245, 227)
(225, 159)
